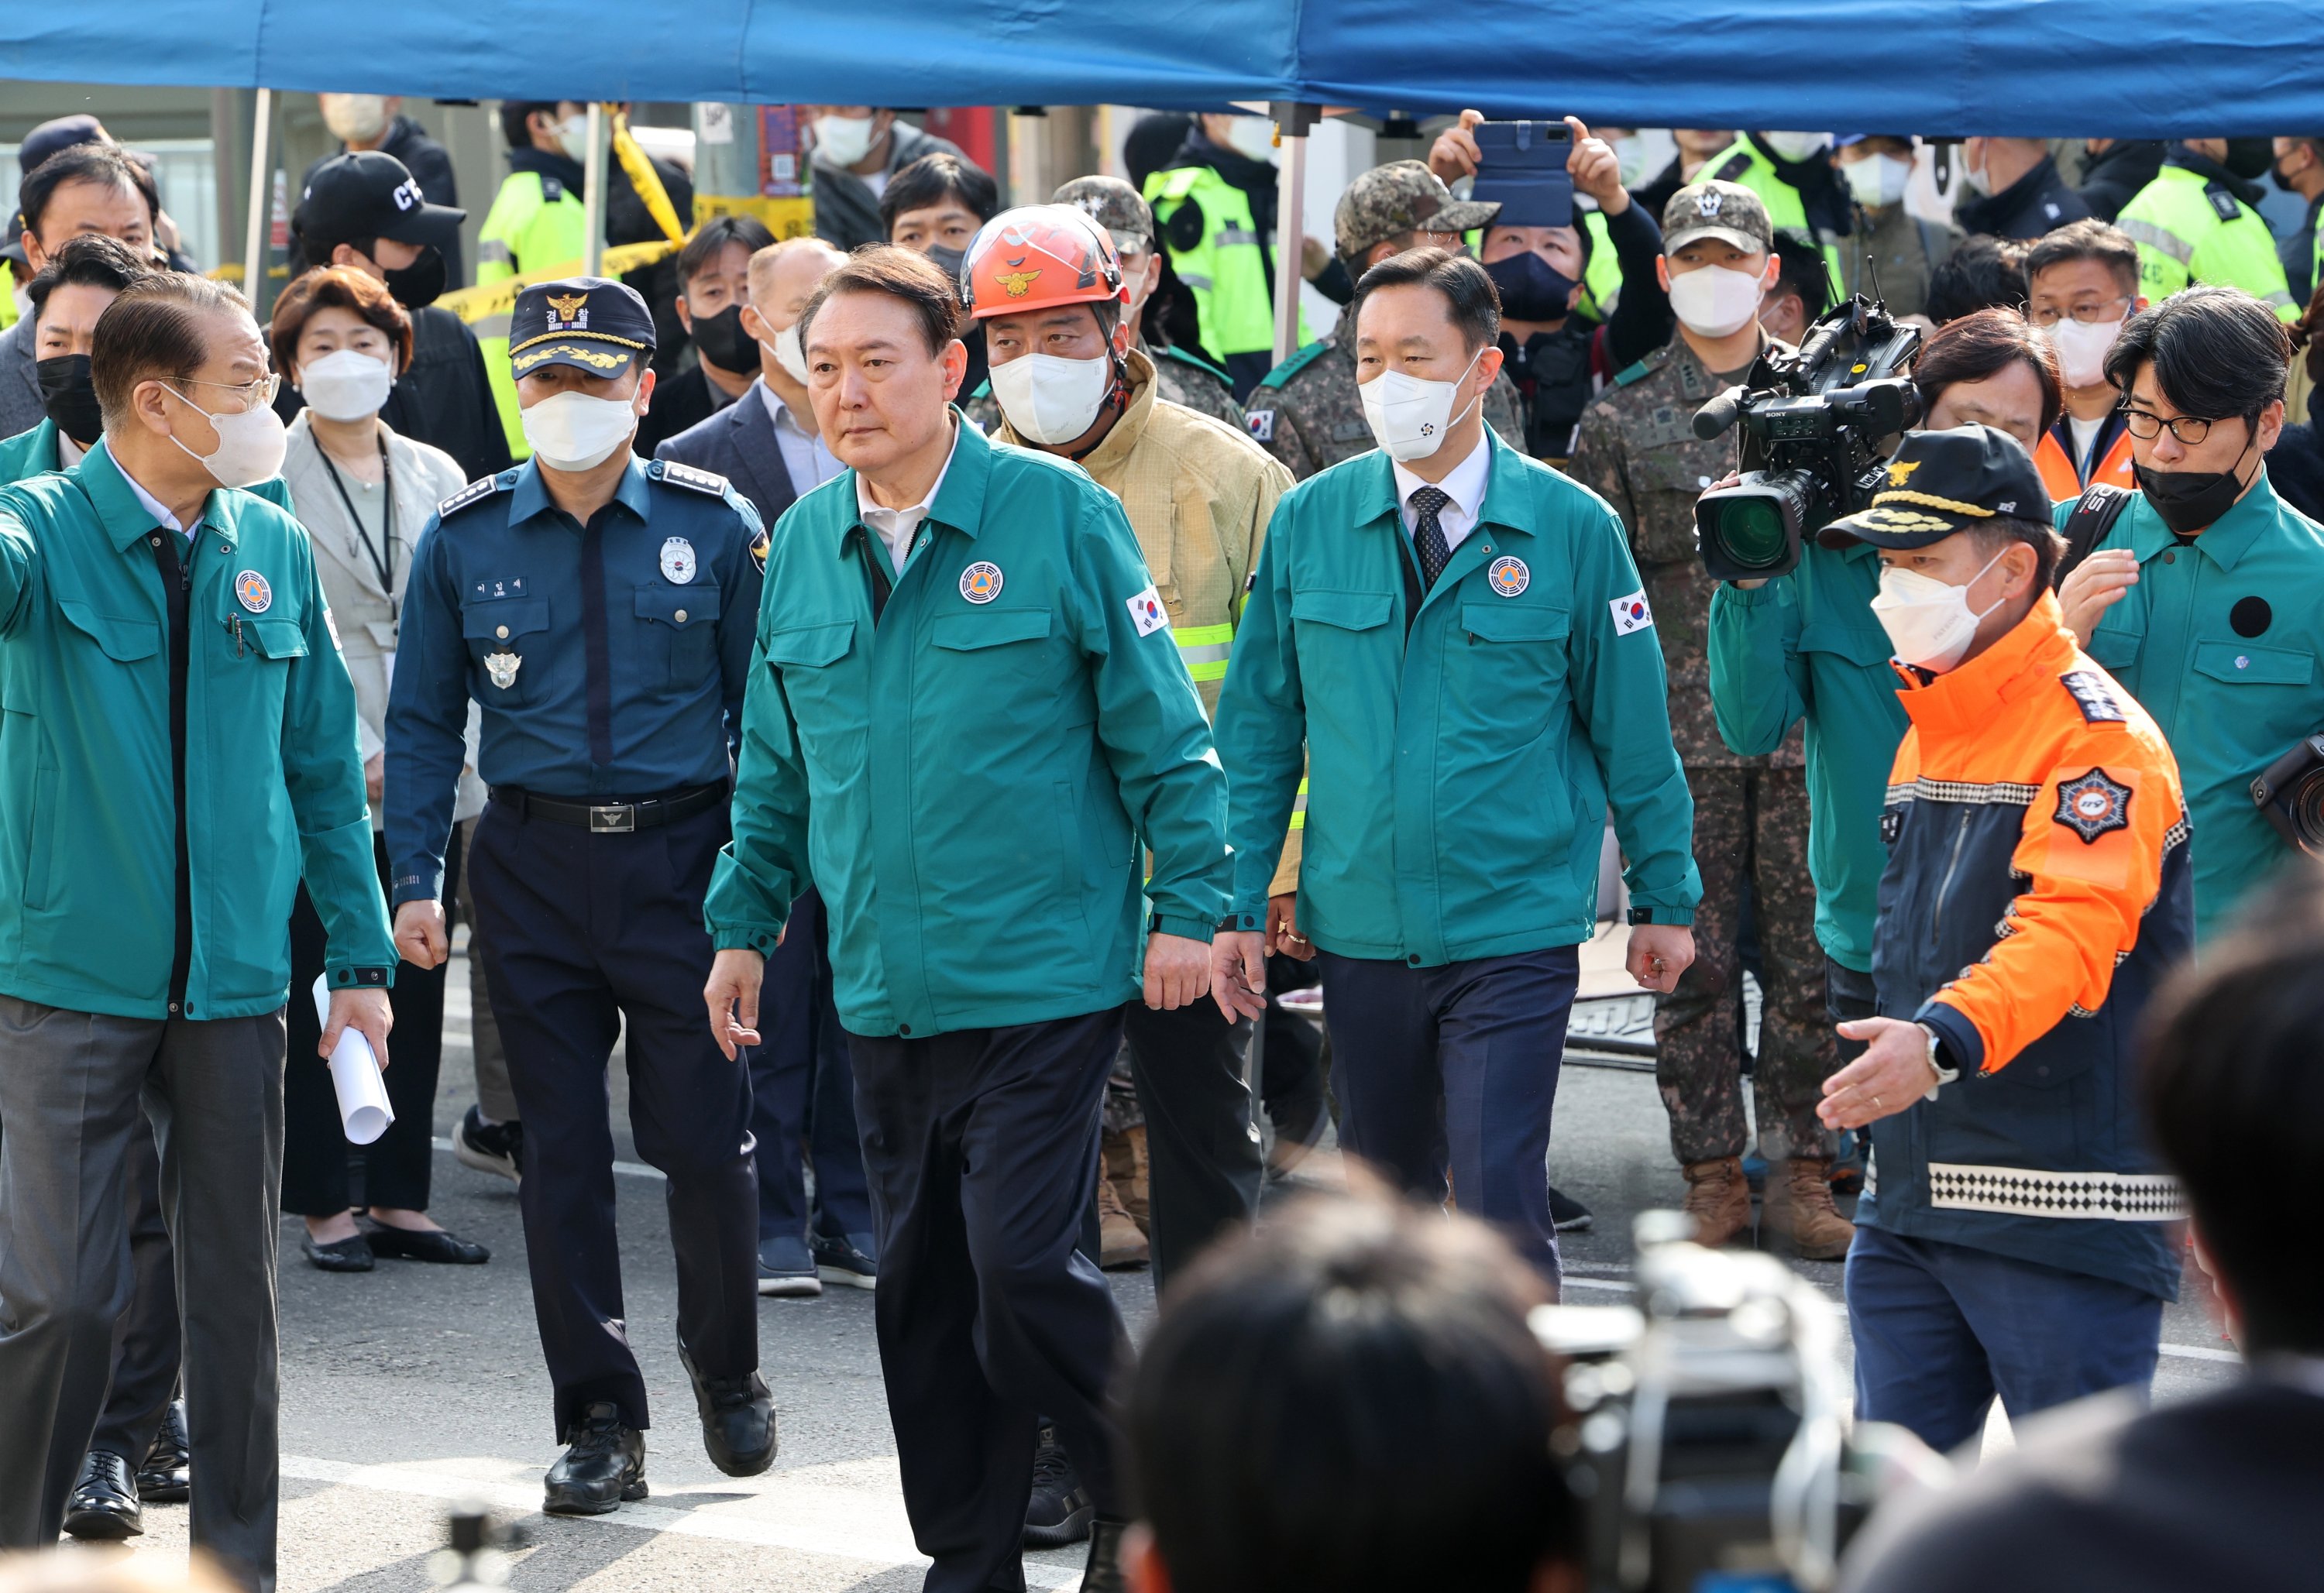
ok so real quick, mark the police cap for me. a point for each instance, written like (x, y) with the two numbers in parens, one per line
(1944, 482)
(592, 324)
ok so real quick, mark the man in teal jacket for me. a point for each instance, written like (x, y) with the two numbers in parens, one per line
(968, 724)
(178, 749)
(1457, 637)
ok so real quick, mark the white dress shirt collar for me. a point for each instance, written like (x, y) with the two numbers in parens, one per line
(895, 526)
(1465, 486)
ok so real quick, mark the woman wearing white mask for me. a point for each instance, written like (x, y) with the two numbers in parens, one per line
(365, 494)
(1877, 168)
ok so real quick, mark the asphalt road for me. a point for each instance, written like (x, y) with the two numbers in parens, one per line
(412, 1386)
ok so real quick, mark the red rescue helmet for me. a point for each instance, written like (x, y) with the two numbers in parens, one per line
(1036, 255)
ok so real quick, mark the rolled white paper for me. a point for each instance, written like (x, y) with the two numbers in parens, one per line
(364, 1106)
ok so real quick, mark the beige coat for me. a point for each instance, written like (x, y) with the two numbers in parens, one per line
(362, 610)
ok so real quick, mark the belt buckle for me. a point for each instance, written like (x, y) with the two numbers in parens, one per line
(613, 821)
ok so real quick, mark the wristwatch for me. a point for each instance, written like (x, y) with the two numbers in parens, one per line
(1944, 1075)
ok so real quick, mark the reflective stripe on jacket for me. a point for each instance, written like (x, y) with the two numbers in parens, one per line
(2189, 231)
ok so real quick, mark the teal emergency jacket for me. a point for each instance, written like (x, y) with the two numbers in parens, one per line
(1463, 752)
(89, 805)
(974, 781)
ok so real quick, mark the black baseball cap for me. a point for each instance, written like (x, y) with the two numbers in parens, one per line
(592, 324)
(1943, 481)
(52, 138)
(370, 194)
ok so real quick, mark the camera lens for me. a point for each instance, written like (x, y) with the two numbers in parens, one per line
(2306, 802)
(1751, 532)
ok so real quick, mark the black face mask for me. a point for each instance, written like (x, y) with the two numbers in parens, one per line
(949, 260)
(69, 396)
(2250, 158)
(723, 342)
(2188, 501)
(1532, 289)
(418, 285)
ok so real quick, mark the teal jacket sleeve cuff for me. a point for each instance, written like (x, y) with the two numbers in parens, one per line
(1676, 918)
(359, 979)
(1766, 594)
(762, 938)
(1186, 928)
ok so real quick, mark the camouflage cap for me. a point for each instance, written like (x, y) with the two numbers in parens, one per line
(1398, 197)
(1715, 209)
(1114, 206)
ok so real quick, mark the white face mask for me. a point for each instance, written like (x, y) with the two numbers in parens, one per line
(1050, 399)
(1972, 180)
(346, 384)
(2083, 350)
(1877, 182)
(1714, 301)
(573, 136)
(1253, 138)
(1929, 621)
(574, 431)
(1410, 415)
(843, 140)
(1796, 146)
(354, 118)
(250, 446)
(787, 353)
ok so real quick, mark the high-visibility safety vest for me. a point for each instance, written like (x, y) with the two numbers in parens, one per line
(2189, 230)
(2064, 482)
(536, 223)
(1742, 162)
(1221, 266)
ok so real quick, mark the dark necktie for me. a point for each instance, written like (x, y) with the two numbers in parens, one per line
(1428, 533)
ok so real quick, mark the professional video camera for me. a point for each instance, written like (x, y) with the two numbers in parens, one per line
(1708, 1447)
(2290, 794)
(1820, 431)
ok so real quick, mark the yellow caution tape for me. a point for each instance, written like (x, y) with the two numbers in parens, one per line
(486, 299)
(786, 218)
(644, 177)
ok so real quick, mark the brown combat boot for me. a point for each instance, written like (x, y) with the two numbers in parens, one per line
(1802, 1211)
(1126, 1167)
(1718, 1199)
(1120, 1243)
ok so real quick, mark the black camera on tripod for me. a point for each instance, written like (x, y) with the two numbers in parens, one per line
(1821, 431)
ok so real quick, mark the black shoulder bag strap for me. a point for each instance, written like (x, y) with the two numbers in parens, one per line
(2094, 515)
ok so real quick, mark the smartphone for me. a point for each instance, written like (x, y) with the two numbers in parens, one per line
(1522, 165)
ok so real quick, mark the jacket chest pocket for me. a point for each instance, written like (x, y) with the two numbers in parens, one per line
(504, 635)
(679, 631)
(120, 640)
(1506, 664)
(1334, 630)
(994, 649)
(805, 659)
(1666, 482)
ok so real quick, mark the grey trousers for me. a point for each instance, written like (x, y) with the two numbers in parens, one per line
(70, 1089)
(495, 1093)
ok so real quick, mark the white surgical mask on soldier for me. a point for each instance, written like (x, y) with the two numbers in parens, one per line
(354, 118)
(789, 354)
(345, 384)
(1050, 399)
(573, 136)
(1796, 146)
(574, 431)
(1409, 415)
(1929, 621)
(1878, 182)
(842, 140)
(1253, 138)
(1714, 301)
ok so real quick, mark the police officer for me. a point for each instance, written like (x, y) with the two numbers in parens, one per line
(1306, 412)
(2206, 598)
(1798, 185)
(1216, 203)
(1180, 377)
(186, 754)
(1638, 450)
(598, 607)
(2196, 223)
(970, 716)
(1477, 611)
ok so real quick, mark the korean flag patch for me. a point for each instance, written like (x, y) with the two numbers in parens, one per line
(1631, 613)
(1147, 612)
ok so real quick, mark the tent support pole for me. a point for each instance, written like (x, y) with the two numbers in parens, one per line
(1292, 123)
(261, 204)
(593, 184)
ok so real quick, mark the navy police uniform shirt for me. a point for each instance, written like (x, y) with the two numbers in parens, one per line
(610, 660)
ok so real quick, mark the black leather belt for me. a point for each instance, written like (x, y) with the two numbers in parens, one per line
(612, 818)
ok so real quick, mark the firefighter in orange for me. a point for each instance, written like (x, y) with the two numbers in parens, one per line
(2016, 1236)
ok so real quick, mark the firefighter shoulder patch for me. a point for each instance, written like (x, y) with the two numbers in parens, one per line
(2093, 806)
(2094, 695)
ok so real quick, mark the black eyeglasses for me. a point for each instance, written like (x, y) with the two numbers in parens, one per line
(2146, 425)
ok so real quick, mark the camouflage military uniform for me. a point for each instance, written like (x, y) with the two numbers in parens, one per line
(1637, 450)
(1306, 412)
(1194, 383)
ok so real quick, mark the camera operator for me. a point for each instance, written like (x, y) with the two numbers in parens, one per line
(2218, 1491)
(2036, 890)
(1801, 291)
(1640, 452)
(1350, 1399)
(2206, 595)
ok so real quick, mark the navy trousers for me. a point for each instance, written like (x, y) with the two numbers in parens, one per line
(1941, 1329)
(1454, 1069)
(590, 931)
(802, 1093)
(982, 1151)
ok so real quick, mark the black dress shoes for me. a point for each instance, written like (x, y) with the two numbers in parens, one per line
(738, 1419)
(603, 1464)
(104, 1503)
(412, 1244)
(350, 1255)
(167, 1476)
(1103, 1572)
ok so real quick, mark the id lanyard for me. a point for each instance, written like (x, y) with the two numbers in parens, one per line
(385, 565)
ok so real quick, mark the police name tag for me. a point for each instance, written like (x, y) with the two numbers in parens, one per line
(1631, 613)
(1147, 612)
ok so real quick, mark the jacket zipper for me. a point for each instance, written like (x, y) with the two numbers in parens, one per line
(1945, 886)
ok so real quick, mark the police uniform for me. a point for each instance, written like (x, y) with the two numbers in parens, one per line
(1202, 208)
(2014, 1235)
(2194, 222)
(610, 662)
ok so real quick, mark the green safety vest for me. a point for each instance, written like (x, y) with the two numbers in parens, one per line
(525, 231)
(2188, 231)
(1741, 162)
(7, 294)
(1224, 271)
